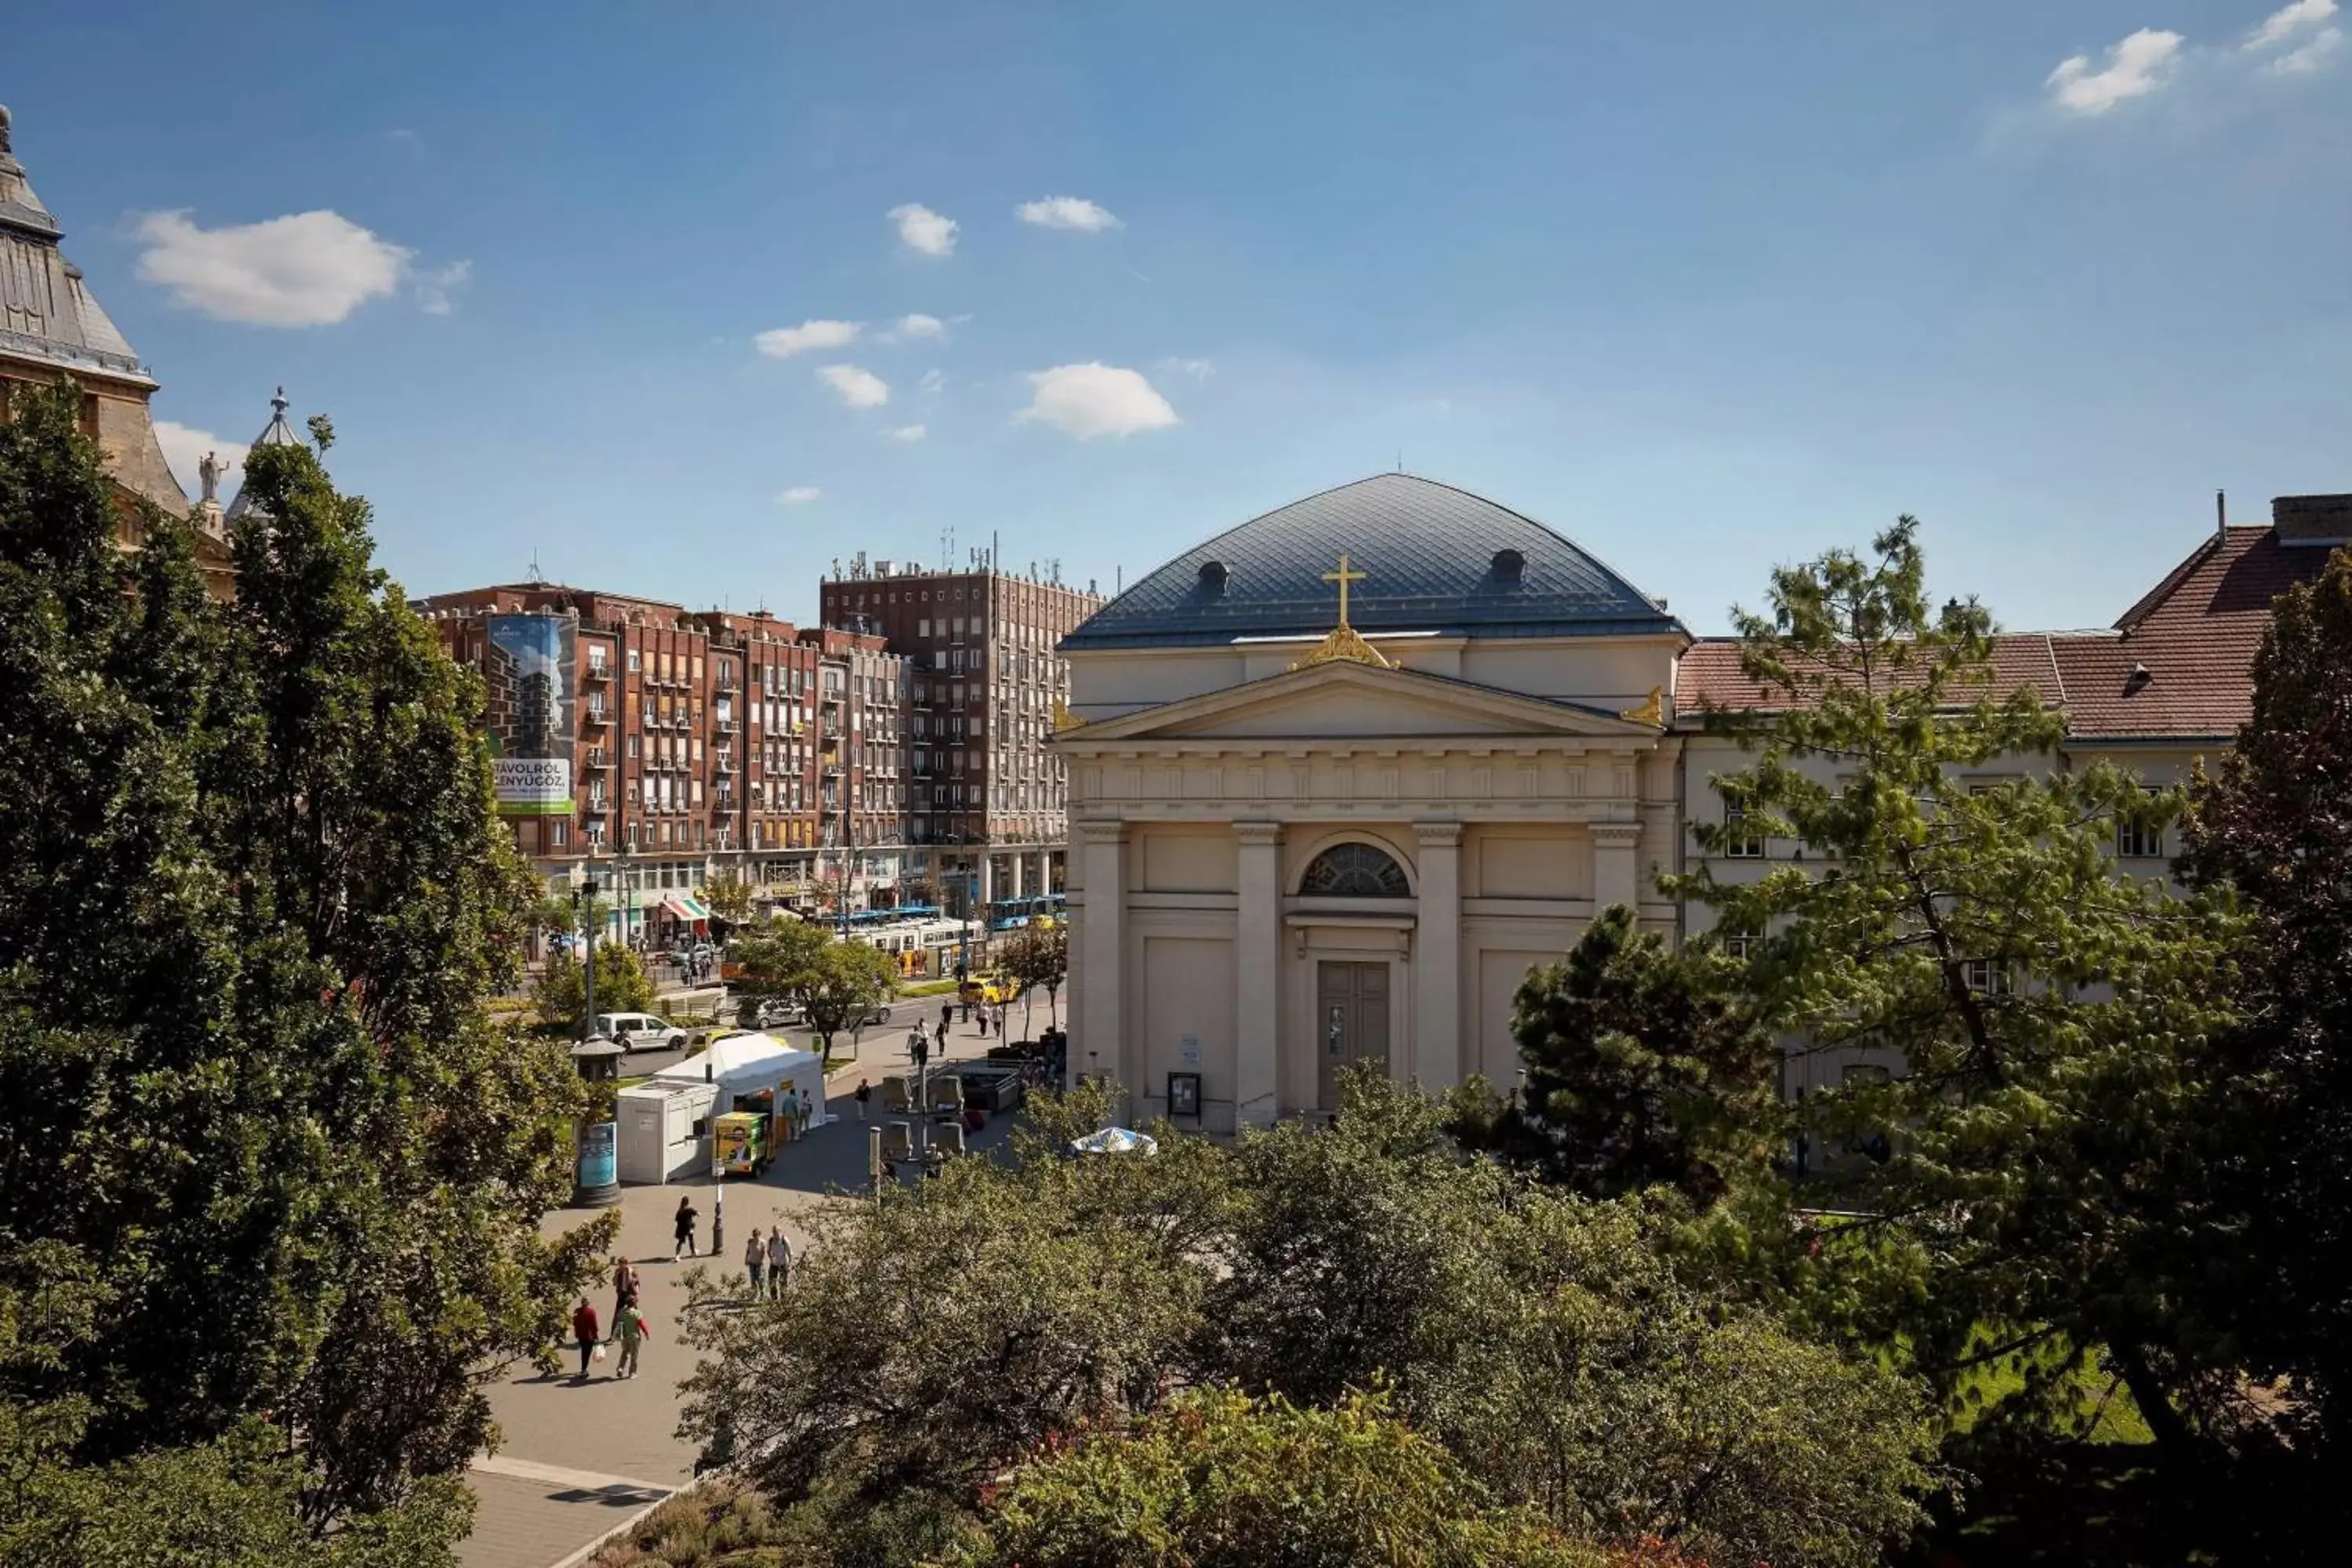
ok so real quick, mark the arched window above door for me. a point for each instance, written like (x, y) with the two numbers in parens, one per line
(1354, 871)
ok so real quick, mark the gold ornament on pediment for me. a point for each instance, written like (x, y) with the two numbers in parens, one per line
(1652, 713)
(1064, 719)
(1344, 645)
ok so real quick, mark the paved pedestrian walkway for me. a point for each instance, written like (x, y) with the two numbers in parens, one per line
(581, 1458)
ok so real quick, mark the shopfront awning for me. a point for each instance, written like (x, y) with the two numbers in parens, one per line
(686, 907)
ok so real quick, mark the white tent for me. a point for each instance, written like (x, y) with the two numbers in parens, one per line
(743, 1064)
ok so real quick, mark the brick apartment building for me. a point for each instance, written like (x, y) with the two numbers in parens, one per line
(987, 795)
(701, 743)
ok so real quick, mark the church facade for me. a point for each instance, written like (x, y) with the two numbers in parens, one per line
(1341, 775)
(1338, 778)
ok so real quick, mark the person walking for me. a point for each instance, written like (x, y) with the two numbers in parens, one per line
(947, 1016)
(755, 1260)
(624, 1286)
(808, 1112)
(780, 1261)
(633, 1333)
(984, 1022)
(864, 1095)
(682, 1230)
(584, 1334)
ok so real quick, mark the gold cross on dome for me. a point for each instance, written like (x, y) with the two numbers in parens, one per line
(1343, 577)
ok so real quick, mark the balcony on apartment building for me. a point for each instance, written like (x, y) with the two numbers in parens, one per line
(594, 713)
(596, 759)
(595, 670)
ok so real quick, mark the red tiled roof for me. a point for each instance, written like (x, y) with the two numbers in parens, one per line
(1710, 672)
(2195, 635)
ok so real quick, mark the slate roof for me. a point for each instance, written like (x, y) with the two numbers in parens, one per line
(276, 433)
(46, 310)
(2177, 667)
(1428, 554)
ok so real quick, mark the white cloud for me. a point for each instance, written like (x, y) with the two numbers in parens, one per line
(1198, 369)
(932, 382)
(784, 342)
(916, 328)
(1066, 212)
(908, 433)
(2310, 57)
(799, 495)
(2138, 65)
(2288, 21)
(920, 228)
(858, 388)
(185, 448)
(1091, 400)
(433, 289)
(309, 269)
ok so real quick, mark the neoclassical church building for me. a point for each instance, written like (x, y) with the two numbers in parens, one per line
(1339, 776)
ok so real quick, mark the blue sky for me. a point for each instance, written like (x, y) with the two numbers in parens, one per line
(1707, 286)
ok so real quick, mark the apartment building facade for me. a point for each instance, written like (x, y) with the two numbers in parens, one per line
(987, 798)
(681, 746)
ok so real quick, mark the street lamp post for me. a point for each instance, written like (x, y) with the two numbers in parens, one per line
(584, 916)
(595, 1177)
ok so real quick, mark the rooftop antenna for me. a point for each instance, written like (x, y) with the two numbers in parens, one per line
(534, 568)
(1400, 460)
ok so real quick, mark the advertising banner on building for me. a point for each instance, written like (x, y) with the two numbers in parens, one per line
(528, 669)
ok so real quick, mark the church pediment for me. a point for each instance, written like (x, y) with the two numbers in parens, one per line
(1356, 702)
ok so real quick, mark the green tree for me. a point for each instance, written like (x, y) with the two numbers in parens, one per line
(1038, 957)
(1645, 1068)
(252, 895)
(2057, 1019)
(776, 961)
(1546, 1339)
(929, 1341)
(2274, 822)
(730, 898)
(622, 986)
(1218, 1480)
(848, 980)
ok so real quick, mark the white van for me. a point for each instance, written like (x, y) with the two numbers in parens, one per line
(641, 1032)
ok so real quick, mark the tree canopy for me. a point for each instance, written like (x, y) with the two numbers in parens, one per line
(1540, 1338)
(1038, 956)
(1645, 1068)
(2274, 823)
(252, 894)
(622, 986)
(1963, 912)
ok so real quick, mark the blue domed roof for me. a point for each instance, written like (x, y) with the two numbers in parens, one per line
(1435, 559)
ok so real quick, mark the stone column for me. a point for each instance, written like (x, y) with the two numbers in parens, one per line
(1020, 864)
(1437, 959)
(1099, 1045)
(1616, 870)
(1258, 975)
(987, 882)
